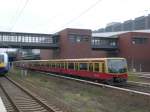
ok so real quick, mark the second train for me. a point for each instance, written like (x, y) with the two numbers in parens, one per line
(109, 70)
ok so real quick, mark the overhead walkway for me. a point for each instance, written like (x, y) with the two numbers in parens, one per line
(28, 40)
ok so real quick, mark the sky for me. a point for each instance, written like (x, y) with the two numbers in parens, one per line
(51, 16)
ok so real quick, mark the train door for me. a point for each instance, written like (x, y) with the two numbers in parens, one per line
(101, 67)
(96, 66)
(91, 67)
(76, 65)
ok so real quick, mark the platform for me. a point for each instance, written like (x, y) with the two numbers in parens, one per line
(2, 107)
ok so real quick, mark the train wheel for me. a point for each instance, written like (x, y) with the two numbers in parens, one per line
(110, 82)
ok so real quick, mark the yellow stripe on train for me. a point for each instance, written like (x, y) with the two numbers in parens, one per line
(2, 65)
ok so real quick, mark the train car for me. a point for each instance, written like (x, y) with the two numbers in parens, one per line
(4, 64)
(109, 70)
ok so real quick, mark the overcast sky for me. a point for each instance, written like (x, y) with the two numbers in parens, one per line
(50, 16)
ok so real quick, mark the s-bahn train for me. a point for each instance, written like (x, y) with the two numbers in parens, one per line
(4, 64)
(110, 70)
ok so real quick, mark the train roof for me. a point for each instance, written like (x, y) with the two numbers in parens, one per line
(80, 59)
(4, 54)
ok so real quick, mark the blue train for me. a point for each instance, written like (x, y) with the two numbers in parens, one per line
(4, 64)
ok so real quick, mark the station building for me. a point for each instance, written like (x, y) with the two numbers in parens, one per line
(82, 43)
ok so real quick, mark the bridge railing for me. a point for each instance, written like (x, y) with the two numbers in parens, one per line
(28, 40)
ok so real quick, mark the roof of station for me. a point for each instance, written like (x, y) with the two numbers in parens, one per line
(115, 34)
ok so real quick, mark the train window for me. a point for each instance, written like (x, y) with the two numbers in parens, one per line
(44, 63)
(91, 67)
(71, 65)
(47, 65)
(62, 65)
(76, 66)
(57, 65)
(35, 64)
(41, 64)
(53, 64)
(83, 66)
(50, 64)
(1, 58)
(66, 65)
(96, 67)
(103, 67)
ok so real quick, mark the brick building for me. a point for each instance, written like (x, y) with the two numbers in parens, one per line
(135, 47)
(82, 43)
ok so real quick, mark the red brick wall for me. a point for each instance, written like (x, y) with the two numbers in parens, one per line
(74, 50)
(99, 54)
(138, 55)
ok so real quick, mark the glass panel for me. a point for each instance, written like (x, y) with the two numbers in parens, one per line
(91, 67)
(62, 65)
(103, 67)
(66, 65)
(83, 66)
(96, 67)
(76, 66)
(57, 65)
(71, 65)
(139, 40)
(117, 66)
(1, 58)
(53, 64)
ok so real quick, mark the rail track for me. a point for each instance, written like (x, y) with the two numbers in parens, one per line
(145, 78)
(138, 86)
(142, 75)
(131, 87)
(18, 99)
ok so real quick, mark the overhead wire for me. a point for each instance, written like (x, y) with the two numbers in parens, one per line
(19, 15)
(81, 14)
(14, 16)
(69, 22)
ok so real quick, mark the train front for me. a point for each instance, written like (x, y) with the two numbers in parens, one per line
(3, 63)
(117, 69)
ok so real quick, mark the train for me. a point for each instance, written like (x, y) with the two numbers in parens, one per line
(4, 63)
(112, 71)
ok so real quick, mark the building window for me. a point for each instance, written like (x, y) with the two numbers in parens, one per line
(78, 39)
(101, 41)
(138, 40)
(112, 43)
(74, 38)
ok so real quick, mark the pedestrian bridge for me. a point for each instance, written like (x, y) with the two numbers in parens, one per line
(28, 40)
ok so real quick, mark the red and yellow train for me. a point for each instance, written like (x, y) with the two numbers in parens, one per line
(109, 70)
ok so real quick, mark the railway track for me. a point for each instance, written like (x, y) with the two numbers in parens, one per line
(137, 86)
(141, 78)
(18, 99)
(145, 77)
(131, 87)
(142, 75)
